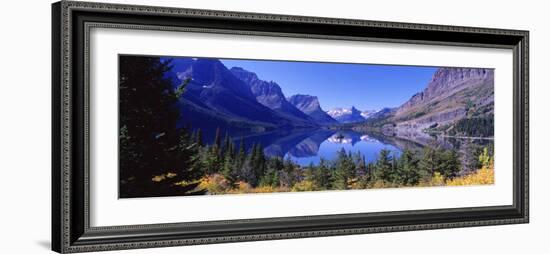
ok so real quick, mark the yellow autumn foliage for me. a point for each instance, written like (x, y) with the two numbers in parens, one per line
(304, 185)
(436, 180)
(214, 184)
(217, 184)
(162, 177)
(379, 184)
(266, 189)
(486, 175)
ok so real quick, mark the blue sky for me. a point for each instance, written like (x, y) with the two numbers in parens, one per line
(364, 86)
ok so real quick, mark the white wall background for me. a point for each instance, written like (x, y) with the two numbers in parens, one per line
(25, 125)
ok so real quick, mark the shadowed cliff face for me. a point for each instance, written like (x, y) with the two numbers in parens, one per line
(211, 73)
(310, 106)
(215, 97)
(270, 95)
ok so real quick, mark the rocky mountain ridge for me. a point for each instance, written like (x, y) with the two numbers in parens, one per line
(452, 94)
(347, 115)
(218, 96)
(215, 97)
(270, 94)
(309, 105)
(237, 98)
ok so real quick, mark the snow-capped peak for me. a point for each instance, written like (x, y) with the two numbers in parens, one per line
(348, 115)
(368, 113)
(339, 112)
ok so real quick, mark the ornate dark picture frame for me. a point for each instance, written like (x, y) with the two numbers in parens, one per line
(71, 230)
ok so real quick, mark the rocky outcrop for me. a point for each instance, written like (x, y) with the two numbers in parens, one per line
(452, 94)
(310, 106)
(270, 94)
(215, 97)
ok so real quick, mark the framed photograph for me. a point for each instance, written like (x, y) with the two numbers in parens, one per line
(181, 126)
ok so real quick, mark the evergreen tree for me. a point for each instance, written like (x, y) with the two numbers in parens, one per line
(288, 176)
(369, 176)
(344, 171)
(241, 156)
(271, 176)
(231, 150)
(228, 170)
(395, 176)
(247, 170)
(217, 141)
(428, 163)
(470, 155)
(150, 142)
(322, 176)
(408, 168)
(216, 151)
(252, 167)
(449, 164)
(129, 155)
(226, 144)
(383, 166)
(474, 127)
(309, 172)
(361, 166)
(198, 137)
(213, 160)
(188, 156)
(259, 162)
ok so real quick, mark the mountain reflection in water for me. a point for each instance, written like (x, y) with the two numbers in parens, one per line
(305, 146)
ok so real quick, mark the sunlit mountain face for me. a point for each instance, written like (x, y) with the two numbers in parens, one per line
(349, 115)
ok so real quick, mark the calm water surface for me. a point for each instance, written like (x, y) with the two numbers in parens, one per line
(349, 141)
(309, 146)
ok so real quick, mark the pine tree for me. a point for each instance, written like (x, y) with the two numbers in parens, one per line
(408, 168)
(216, 150)
(259, 163)
(322, 175)
(345, 170)
(199, 138)
(470, 155)
(288, 176)
(271, 176)
(361, 166)
(228, 170)
(188, 156)
(217, 140)
(309, 172)
(241, 156)
(449, 164)
(428, 163)
(383, 166)
(150, 141)
(226, 144)
(368, 179)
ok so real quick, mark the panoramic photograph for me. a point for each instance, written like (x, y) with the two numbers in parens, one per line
(212, 126)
